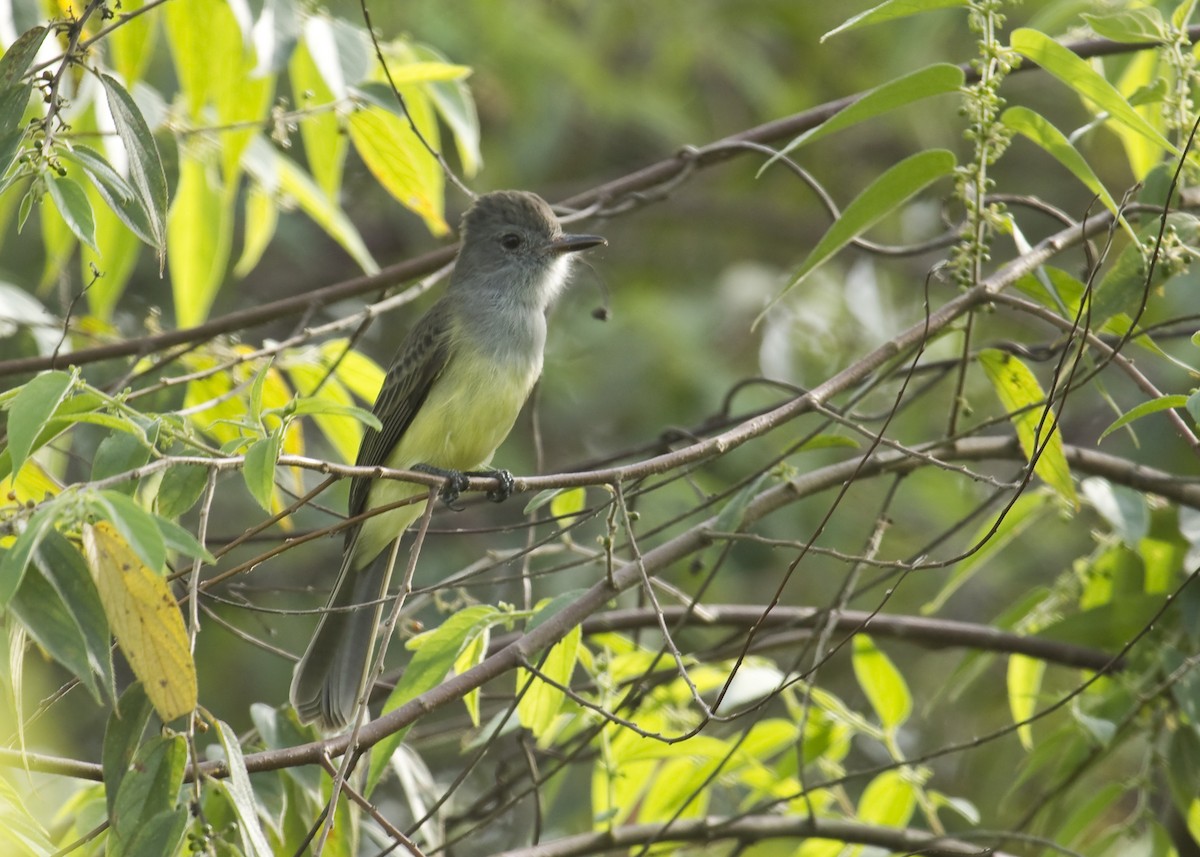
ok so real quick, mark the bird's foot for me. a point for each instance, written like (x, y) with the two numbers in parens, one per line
(505, 488)
(455, 483)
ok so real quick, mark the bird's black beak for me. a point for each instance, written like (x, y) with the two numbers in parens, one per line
(574, 243)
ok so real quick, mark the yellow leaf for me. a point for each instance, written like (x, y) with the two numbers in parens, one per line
(397, 159)
(1035, 422)
(145, 619)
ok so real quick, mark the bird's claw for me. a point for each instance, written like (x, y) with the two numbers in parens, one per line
(504, 490)
(455, 482)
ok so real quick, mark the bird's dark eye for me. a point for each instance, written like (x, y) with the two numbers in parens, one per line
(510, 241)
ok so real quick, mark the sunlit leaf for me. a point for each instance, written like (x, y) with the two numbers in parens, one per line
(1038, 129)
(888, 800)
(1078, 74)
(274, 170)
(397, 159)
(435, 654)
(199, 232)
(890, 10)
(145, 619)
(881, 682)
(132, 43)
(1037, 427)
(1024, 685)
(539, 707)
(325, 145)
(262, 216)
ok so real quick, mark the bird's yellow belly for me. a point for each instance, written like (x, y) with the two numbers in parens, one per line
(466, 416)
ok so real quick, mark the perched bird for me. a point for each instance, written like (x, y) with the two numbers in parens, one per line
(451, 396)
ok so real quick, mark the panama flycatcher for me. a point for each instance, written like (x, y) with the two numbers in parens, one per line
(451, 396)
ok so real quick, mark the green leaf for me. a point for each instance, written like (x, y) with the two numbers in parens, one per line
(454, 104)
(324, 406)
(937, 79)
(122, 735)
(885, 194)
(117, 193)
(1129, 25)
(180, 488)
(539, 707)
(436, 652)
(1126, 286)
(159, 834)
(325, 145)
(1124, 508)
(74, 208)
(13, 103)
(31, 410)
(259, 469)
(1038, 129)
(1154, 406)
(137, 526)
(241, 793)
(882, 683)
(1037, 427)
(1024, 685)
(888, 800)
(148, 788)
(1078, 74)
(262, 217)
(1110, 626)
(132, 43)
(990, 540)
(890, 10)
(177, 539)
(16, 559)
(20, 56)
(145, 164)
(567, 505)
(64, 568)
(44, 615)
(199, 233)
(120, 452)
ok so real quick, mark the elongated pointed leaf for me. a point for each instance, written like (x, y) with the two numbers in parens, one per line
(241, 792)
(882, 683)
(277, 171)
(436, 652)
(199, 234)
(145, 619)
(120, 196)
(74, 208)
(399, 161)
(145, 163)
(20, 55)
(938, 79)
(883, 196)
(1035, 423)
(31, 410)
(122, 736)
(890, 10)
(1039, 130)
(1024, 684)
(1076, 73)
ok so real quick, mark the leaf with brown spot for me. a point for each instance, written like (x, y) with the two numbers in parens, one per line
(145, 619)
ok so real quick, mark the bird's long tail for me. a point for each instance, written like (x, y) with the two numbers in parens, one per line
(330, 678)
